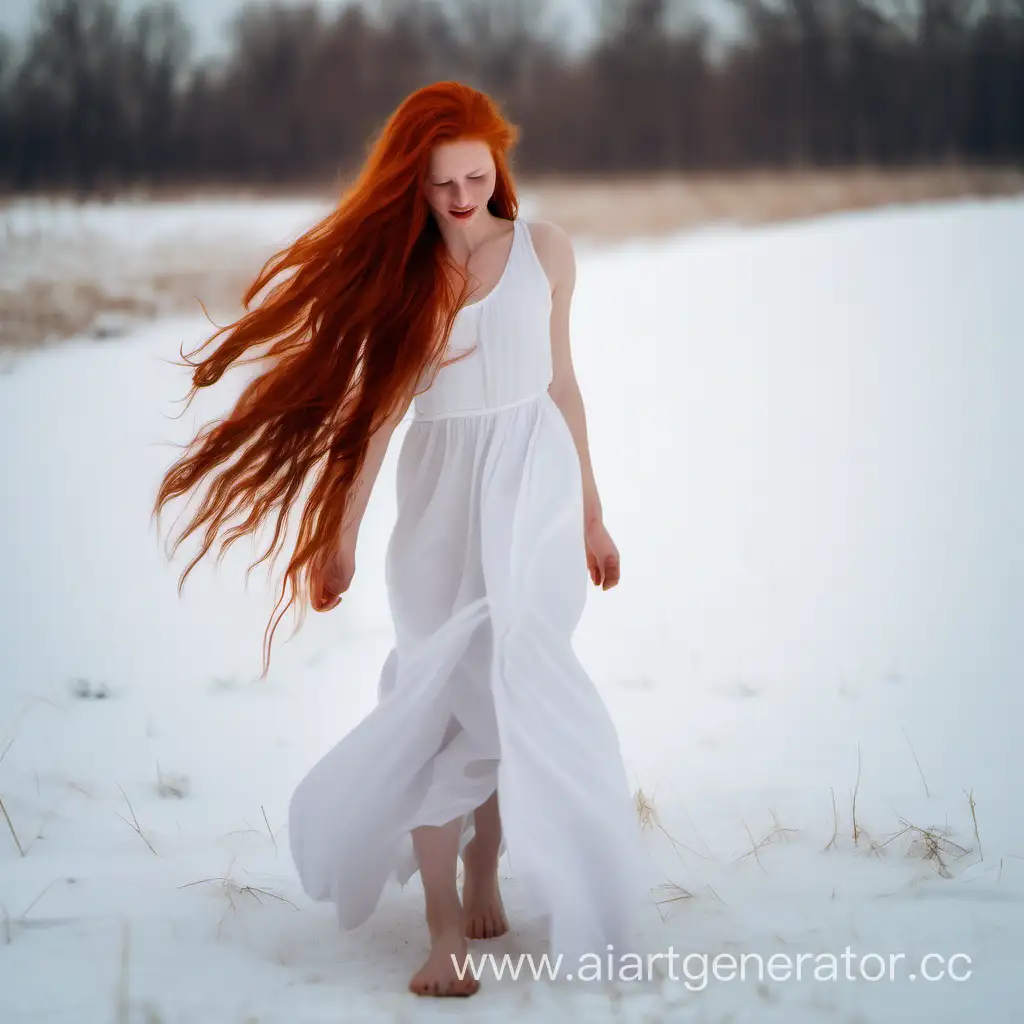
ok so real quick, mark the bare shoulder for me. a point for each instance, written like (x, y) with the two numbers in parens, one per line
(553, 246)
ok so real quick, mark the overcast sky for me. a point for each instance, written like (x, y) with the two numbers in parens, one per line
(209, 17)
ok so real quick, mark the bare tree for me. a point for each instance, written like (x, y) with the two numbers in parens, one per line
(94, 98)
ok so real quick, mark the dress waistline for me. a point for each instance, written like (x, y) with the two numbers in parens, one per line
(451, 414)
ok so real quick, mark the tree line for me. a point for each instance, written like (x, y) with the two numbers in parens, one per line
(96, 98)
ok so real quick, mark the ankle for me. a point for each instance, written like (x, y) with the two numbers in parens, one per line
(444, 914)
(480, 858)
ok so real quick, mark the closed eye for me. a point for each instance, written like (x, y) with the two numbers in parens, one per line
(472, 177)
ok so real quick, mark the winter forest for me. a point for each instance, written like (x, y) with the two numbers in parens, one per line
(96, 97)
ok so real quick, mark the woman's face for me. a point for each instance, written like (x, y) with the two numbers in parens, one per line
(460, 180)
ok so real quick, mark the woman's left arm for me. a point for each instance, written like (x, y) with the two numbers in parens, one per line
(560, 262)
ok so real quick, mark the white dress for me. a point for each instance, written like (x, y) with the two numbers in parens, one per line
(487, 580)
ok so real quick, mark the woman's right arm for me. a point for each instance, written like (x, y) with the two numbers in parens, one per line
(375, 452)
(328, 581)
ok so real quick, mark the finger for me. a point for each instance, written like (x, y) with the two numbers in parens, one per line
(611, 574)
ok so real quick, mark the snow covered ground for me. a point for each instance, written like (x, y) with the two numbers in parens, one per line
(808, 440)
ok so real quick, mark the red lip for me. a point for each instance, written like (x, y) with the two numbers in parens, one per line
(463, 213)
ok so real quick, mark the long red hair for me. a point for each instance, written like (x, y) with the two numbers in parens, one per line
(366, 310)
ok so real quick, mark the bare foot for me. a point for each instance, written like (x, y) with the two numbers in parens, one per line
(481, 897)
(438, 976)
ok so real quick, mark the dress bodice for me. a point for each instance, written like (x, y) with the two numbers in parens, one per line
(509, 333)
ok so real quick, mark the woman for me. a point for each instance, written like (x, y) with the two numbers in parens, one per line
(425, 288)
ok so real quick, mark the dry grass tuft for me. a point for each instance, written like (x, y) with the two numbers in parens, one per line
(832, 844)
(270, 831)
(13, 925)
(920, 770)
(10, 825)
(777, 832)
(931, 843)
(134, 823)
(676, 894)
(232, 890)
(974, 819)
(853, 801)
(649, 818)
(645, 811)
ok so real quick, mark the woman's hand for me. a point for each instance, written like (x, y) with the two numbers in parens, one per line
(602, 555)
(329, 580)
